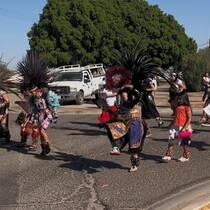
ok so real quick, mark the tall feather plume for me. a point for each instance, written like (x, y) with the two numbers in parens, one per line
(179, 68)
(141, 64)
(33, 72)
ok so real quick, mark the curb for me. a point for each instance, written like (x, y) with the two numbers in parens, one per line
(193, 198)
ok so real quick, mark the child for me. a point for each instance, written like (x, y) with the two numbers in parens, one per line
(179, 126)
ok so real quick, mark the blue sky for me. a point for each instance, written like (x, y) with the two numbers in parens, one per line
(16, 20)
(17, 17)
(193, 15)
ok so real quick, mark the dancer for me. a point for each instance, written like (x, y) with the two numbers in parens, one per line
(6, 87)
(27, 123)
(4, 115)
(150, 85)
(131, 117)
(180, 128)
(177, 87)
(206, 98)
(116, 77)
(109, 109)
(129, 124)
(35, 78)
(206, 85)
(205, 120)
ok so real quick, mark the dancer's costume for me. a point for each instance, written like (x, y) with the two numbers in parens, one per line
(174, 85)
(36, 77)
(129, 123)
(4, 116)
(6, 86)
(131, 119)
(116, 77)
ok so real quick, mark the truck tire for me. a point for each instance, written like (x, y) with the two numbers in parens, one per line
(80, 98)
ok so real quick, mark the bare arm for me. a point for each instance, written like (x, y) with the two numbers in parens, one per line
(188, 120)
(111, 94)
(6, 98)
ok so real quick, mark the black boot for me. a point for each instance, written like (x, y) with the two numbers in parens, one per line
(134, 163)
(45, 148)
(7, 136)
(22, 141)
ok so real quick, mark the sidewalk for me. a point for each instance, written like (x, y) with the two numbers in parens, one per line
(161, 100)
(195, 198)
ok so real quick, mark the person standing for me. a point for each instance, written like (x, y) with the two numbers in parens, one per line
(28, 126)
(205, 85)
(4, 115)
(177, 87)
(109, 110)
(108, 115)
(35, 77)
(129, 124)
(180, 128)
(150, 84)
(205, 120)
(42, 115)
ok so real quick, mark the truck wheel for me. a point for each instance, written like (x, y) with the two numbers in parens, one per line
(80, 98)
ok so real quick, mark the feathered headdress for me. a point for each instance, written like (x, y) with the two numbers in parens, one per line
(116, 77)
(178, 69)
(141, 64)
(33, 72)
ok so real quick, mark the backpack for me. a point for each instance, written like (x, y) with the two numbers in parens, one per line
(53, 104)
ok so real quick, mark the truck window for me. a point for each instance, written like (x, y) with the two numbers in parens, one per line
(69, 76)
(86, 76)
(97, 72)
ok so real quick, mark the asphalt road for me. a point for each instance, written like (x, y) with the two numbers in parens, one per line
(79, 173)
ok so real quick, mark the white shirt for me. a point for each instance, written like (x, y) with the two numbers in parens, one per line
(110, 100)
(206, 80)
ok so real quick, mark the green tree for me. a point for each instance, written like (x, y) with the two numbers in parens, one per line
(198, 64)
(95, 31)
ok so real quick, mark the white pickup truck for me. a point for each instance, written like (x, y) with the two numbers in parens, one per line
(75, 82)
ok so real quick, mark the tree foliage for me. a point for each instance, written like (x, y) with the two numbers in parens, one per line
(95, 31)
(198, 64)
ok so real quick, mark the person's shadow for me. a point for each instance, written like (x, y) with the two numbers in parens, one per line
(80, 163)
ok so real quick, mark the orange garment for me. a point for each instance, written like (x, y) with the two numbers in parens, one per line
(180, 117)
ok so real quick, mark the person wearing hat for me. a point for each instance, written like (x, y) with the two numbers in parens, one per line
(178, 87)
(35, 77)
(42, 116)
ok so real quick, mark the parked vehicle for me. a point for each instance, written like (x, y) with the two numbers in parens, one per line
(75, 82)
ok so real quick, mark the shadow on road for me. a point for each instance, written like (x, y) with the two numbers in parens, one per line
(80, 163)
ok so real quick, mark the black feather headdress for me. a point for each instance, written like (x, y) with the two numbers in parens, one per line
(141, 64)
(33, 72)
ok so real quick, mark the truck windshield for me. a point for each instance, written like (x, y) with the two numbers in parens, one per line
(69, 76)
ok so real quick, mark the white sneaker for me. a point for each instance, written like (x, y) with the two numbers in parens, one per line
(166, 158)
(148, 134)
(205, 124)
(183, 159)
(115, 151)
(133, 169)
